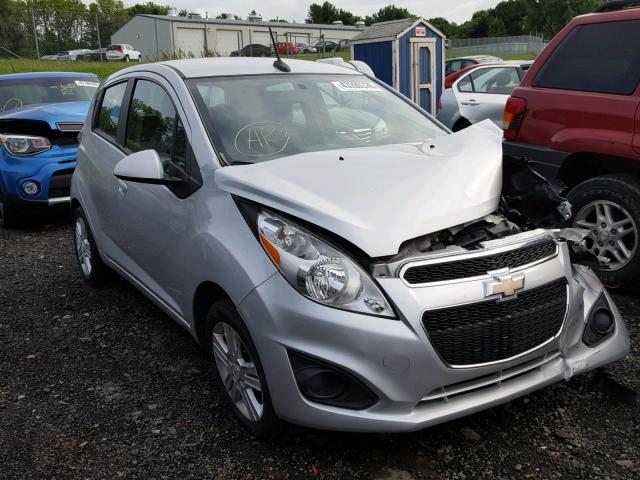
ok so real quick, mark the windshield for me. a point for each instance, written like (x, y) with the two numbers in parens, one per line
(257, 118)
(19, 93)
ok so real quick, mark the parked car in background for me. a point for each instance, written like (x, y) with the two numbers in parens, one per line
(454, 64)
(253, 50)
(40, 118)
(63, 56)
(287, 48)
(96, 55)
(123, 51)
(449, 79)
(78, 54)
(305, 48)
(342, 257)
(326, 46)
(479, 93)
(576, 115)
(49, 57)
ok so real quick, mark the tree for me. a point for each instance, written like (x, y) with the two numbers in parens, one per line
(512, 13)
(390, 12)
(328, 13)
(450, 29)
(547, 17)
(183, 13)
(148, 8)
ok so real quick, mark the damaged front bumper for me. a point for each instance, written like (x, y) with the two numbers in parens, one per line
(414, 381)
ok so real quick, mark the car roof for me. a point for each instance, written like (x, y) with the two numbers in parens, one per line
(231, 66)
(33, 75)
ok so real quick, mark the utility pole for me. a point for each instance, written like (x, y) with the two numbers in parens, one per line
(35, 34)
(98, 32)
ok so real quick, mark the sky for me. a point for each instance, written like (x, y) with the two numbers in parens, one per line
(453, 10)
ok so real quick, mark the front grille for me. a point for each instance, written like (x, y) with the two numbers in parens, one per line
(476, 266)
(490, 331)
(60, 184)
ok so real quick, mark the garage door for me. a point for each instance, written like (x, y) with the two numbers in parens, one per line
(261, 37)
(227, 41)
(189, 41)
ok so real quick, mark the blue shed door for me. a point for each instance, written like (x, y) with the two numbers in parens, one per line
(423, 73)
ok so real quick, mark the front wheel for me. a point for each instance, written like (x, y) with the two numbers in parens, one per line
(7, 215)
(239, 371)
(126, 58)
(609, 206)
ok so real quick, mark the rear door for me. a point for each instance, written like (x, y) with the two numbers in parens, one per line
(483, 92)
(102, 146)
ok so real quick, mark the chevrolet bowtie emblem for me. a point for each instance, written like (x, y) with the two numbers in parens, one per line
(504, 283)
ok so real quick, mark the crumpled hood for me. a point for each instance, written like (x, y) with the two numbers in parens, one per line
(52, 113)
(379, 197)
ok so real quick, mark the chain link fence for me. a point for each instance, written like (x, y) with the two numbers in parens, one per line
(52, 35)
(495, 46)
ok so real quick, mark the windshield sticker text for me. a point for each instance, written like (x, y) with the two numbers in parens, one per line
(357, 86)
(84, 83)
(262, 139)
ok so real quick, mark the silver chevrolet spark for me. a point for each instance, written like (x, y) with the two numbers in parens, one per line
(340, 254)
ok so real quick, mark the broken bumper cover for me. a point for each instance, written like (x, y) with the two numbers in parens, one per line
(396, 361)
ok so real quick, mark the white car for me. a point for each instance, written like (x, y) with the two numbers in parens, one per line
(479, 94)
(123, 51)
(80, 52)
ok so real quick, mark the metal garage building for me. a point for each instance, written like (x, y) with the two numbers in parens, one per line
(162, 36)
(406, 54)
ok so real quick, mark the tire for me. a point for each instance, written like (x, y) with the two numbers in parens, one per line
(610, 207)
(126, 58)
(92, 268)
(223, 322)
(139, 58)
(7, 215)
(461, 124)
(262, 54)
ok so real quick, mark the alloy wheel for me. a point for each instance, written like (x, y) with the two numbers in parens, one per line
(237, 371)
(613, 232)
(83, 247)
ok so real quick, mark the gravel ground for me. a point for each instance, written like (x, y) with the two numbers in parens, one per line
(98, 383)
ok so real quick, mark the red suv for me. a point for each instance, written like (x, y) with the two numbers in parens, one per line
(576, 116)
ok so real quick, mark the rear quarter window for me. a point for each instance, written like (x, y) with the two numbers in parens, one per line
(603, 58)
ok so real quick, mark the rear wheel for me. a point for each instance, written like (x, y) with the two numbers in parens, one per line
(239, 371)
(126, 58)
(609, 206)
(92, 268)
(461, 125)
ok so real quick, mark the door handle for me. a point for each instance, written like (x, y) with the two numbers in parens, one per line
(122, 187)
(471, 103)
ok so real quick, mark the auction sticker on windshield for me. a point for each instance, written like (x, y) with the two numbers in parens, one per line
(357, 86)
(83, 83)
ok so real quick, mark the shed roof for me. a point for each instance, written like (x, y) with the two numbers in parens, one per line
(392, 28)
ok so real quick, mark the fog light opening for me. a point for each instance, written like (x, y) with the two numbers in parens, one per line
(31, 188)
(600, 325)
(322, 384)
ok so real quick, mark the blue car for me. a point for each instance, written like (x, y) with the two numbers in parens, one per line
(41, 115)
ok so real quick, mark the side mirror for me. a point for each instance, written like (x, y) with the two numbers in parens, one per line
(143, 167)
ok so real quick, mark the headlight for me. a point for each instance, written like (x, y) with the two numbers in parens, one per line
(317, 270)
(25, 144)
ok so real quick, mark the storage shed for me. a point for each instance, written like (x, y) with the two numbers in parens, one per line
(406, 54)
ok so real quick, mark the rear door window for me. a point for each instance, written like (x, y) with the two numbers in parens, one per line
(603, 58)
(109, 113)
(499, 81)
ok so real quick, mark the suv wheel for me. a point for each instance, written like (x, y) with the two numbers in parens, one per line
(126, 58)
(239, 370)
(92, 268)
(609, 206)
(7, 215)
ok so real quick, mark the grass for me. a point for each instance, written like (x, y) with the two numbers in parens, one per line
(101, 69)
